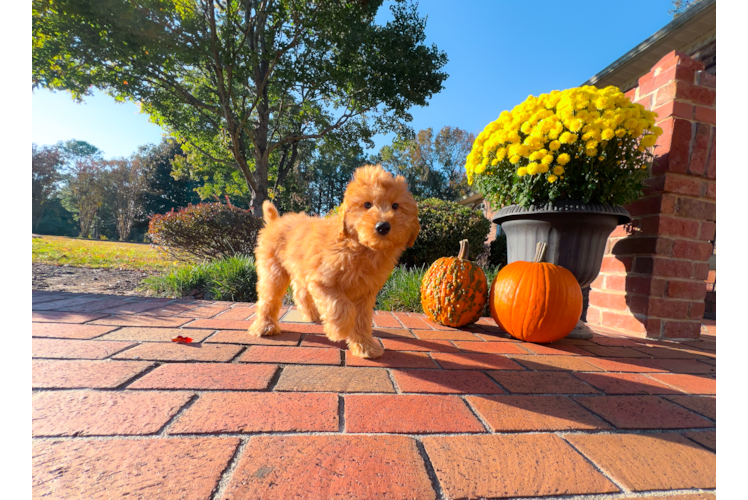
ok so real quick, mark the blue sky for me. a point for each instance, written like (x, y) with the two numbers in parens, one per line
(499, 53)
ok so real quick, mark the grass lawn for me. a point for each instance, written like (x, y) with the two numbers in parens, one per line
(58, 250)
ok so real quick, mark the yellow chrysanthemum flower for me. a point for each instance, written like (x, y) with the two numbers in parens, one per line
(607, 134)
(552, 178)
(563, 159)
(514, 159)
(558, 170)
(543, 168)
(538, 132)
(547, 160)
(535, 156)
(522, 171)
(590, 152)
(532, 168)
(574, 138)
(554, 145)
(591, 144)
(575, 124)
(648, 140)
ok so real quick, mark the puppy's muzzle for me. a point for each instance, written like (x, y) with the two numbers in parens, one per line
(382, 228)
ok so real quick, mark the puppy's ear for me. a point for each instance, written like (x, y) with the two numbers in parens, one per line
(415, 229)
(342, 230)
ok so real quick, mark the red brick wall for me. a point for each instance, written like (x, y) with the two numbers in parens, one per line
(490, 212)
(652, 279)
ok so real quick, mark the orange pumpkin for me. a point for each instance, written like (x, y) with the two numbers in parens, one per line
(453, 290)
(536, 301)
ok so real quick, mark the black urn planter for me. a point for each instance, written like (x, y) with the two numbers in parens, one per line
(575, 233)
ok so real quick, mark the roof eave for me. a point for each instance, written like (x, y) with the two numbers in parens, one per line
(696, 12)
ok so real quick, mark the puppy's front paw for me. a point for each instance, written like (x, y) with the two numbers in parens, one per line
(263, 329)
(369, 350)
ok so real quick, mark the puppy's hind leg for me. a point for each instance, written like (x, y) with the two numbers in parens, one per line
(272, 282)
(305, 303)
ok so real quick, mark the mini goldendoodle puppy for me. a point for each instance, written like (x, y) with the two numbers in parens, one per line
(336, 265)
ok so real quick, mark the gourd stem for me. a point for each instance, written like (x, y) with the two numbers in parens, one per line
(540, 252)
(464, 250)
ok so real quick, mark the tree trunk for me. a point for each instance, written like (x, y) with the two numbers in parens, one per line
(260, 196)
(124, 226)
(37, 211)
(262, 190)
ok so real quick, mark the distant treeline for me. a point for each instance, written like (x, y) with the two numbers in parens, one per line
(77, 192)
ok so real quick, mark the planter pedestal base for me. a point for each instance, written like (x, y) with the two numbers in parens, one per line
(581, 331)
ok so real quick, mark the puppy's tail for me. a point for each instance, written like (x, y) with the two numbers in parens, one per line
(269, 212)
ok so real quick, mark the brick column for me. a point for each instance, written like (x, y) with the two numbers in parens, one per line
(652, 279)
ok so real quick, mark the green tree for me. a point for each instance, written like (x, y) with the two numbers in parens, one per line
(242, 83)
(318, 182)
(125, 183)
(45, 175)
(75, 150)
(165, 191)
(433, 166)
(330, 173)
(57, 220)
(83, 193)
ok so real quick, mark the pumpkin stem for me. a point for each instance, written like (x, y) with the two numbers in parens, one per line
(464, 250)
(540, 252)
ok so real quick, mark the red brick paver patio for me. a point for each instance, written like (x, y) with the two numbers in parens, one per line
(121, 411)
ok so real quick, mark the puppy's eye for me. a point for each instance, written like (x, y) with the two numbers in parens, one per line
(394, 206)
(367, 204)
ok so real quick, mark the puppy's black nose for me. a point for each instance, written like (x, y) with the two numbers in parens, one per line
(382, 228)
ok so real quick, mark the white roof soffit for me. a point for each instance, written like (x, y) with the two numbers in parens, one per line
(687, 32)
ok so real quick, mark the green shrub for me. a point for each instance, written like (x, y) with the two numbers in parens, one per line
(497, 255)
(491, 272)
(443, 225)
(178, 283)
(206, 231)
(232, 278)
(402, 291)
(235, 279)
